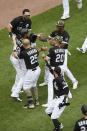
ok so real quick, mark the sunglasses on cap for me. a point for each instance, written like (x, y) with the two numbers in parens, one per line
(26, 15)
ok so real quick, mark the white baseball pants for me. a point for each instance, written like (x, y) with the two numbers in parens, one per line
(84, 46)
(20, 68)
(31, 78)
(53, 107)
(65, 7)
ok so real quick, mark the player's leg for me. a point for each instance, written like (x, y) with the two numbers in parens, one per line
(66, 9)
(29, 99)
(45, 77)
(19, 72)
(30, 81)
(84, 47)
(27, 85)
(50, 89)
(57, 113)
(79, 4)
(71, 77)
(34, 88)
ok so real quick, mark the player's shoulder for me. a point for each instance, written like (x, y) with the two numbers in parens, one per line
(59, 79)
(19, 18)
(82, 119)
(66, 33)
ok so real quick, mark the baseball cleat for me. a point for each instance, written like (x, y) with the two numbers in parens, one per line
(65, 17)
(17, 99)
(81, 50)
(29, 106)
(45, 105)
(61, 126)
(70, 95)
(43, 84)
(75, 85)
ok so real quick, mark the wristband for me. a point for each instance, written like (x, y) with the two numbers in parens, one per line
(10, 34)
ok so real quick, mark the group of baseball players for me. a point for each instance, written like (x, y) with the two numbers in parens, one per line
(24, 58)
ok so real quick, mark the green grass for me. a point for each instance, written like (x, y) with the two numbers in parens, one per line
(12, 116)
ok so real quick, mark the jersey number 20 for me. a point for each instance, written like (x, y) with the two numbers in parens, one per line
(60, 58)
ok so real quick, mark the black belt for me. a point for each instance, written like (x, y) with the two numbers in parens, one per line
(34, 69)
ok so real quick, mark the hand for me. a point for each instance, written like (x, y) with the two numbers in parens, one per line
(43, 56)
(44, 48)
(39, 36)
(15, 55)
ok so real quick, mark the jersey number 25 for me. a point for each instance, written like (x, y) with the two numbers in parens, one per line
(33, 59)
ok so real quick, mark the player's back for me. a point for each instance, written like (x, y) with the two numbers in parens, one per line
(57, 56)
(81, 125)
(30, 57)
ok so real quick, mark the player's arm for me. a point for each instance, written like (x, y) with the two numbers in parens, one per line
(42, 49)
(9, 27)
(76, 127)
(47, 59)
(39, 36)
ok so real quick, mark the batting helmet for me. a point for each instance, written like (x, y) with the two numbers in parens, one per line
(60, 23)
(59, 39)
(84, 109)
(57, 70)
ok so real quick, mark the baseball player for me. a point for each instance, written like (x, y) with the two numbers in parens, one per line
(61, 32)
(15, 32)
(84, 47)
(61, 90)
(56, 56)
(81, 125)
(67, 9)
(32, 38)
(30, 56)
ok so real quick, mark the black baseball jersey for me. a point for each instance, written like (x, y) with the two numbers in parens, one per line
(18, 24)
(81, 125)
(60, 86)
(30, 57)
(57, 56)
(64, 34)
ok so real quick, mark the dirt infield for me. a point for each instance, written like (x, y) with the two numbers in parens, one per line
(13, 8)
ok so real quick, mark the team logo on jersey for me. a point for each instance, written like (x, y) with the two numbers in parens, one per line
(27, 25)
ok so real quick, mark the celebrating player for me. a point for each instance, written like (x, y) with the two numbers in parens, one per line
(61, 90)
(67, 9)
(30, 56)
(56, 56)
(81, 125)
(61, 32)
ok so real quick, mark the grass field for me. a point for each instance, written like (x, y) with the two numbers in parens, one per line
(12, 116)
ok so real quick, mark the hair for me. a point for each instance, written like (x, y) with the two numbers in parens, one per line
(25, 10)
(26, 42)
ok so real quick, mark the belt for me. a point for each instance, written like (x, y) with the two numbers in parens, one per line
(34, 69)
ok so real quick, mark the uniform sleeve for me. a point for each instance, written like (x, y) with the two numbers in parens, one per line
(50, 53)
(76, 128)
(52, 34)
(14, 22)
(66, 38)
(30, 23)
(21, 55)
